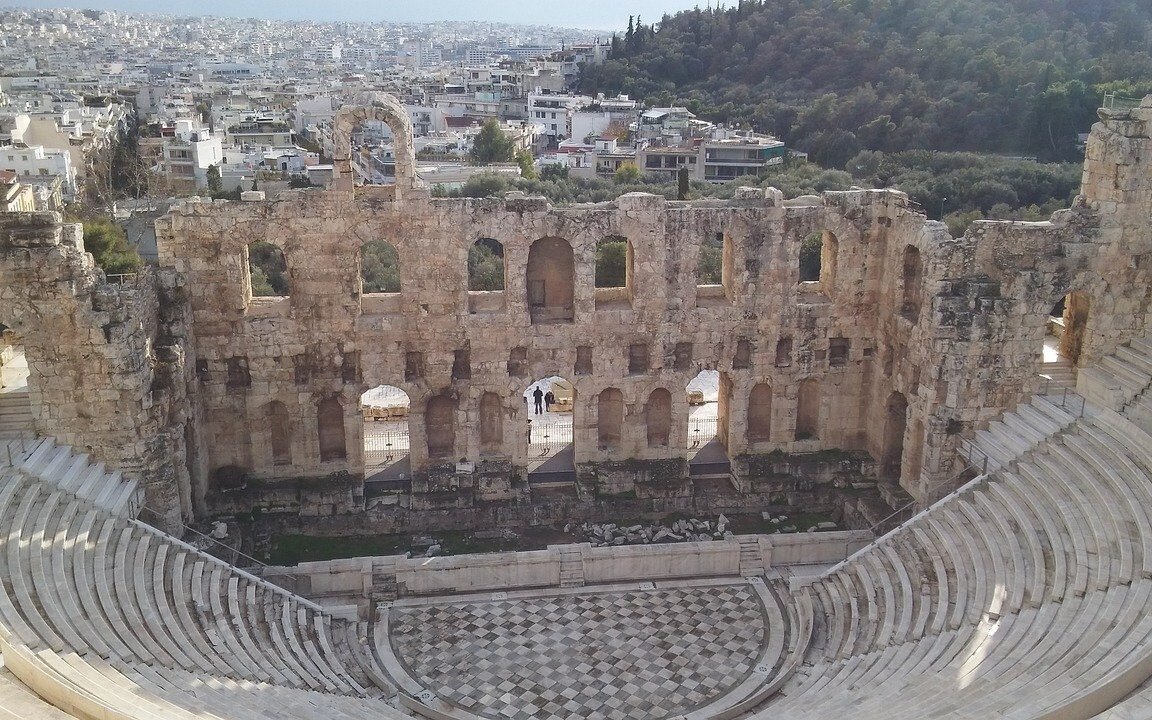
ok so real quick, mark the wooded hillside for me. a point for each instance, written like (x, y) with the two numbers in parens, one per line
(838, 76)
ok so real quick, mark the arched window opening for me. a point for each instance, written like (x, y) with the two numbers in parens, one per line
(330, 427)
(811, 257)
(551, 278)
(713, 270)
(384, 410)
(280, 429)
(491, 423)
(895, 424)
(486, 266)
(818, 258)
(440, 427)
(658, 417)
(379, 268)
(760, 413)
(267, 270)
(808, 410)
(913, 276)
(549, 406)
(610, 419)
(613, 272)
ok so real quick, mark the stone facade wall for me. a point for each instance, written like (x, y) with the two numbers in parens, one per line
(947, 331)
(105, 369)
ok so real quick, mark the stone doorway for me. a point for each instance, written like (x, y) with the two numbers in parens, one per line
(385, 410)
(707, 447)
(549, 436)
(1063, 341)
(15, 400)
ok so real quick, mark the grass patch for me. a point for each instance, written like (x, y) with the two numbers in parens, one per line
(295, 549)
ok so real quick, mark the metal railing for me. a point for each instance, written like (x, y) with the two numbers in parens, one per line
(383, 447)
(16, 449)
(1069, 398)
(122, 279)
(229, 555)
(1112, 101)
(701, 430)
(545, 439)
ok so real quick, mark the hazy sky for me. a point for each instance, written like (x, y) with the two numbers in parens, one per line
(597, 14)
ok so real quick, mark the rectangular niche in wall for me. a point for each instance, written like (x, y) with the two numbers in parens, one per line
(637, 358)
(238, 374)
(583, 364)
(461, 364)
(518, 362)
(838, 351)
(682, 356)
(742, 360)
(350, 367)
(413, 366)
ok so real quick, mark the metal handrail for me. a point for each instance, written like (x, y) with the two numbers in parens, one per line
(236, 553)
(21, 436)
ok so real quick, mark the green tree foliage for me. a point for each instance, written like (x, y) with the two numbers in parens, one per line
(612, 262)
(269, 270)
(109, 247)
(834, 77)
(379, 267)
(628, 173)
(710, 264)
(486, 265)
(527, 165)
(810, 249)
(492, 145)
(215, 182)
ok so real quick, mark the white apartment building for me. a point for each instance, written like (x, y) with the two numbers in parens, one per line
(37, 160)
(186, 157)
(554, 112)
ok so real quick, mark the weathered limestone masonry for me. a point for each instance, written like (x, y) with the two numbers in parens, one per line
(909, 339)
(105, 369)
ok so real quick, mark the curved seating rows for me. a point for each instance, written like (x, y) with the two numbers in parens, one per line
(1024, 594)
(86, 593)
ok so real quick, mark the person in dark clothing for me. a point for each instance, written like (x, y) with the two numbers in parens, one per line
(538, 396)
(549, 401)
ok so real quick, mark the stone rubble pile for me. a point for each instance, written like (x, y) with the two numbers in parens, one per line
(686, 530)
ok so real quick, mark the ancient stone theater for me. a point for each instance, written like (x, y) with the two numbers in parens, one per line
(998, 381)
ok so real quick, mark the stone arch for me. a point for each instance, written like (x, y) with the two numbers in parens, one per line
(912, 277)
(658, 417)
(379, 268)
(330, 429)
(440, 427)
(808, 410)
(280, 430)
(760, 413)
(268, 274)
(551, 281)
(895, 425)
(491, 423)
(385, 108)
(610, 418)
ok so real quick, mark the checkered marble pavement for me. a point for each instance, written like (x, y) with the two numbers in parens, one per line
(625, 655)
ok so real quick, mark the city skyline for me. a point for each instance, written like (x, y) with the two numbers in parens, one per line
(594, 14)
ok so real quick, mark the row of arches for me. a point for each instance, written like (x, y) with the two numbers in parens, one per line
(609, 406)
(550, 270)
